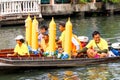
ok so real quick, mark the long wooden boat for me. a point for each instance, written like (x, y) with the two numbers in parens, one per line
(38, 61)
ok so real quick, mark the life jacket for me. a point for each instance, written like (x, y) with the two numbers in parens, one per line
(74, 46)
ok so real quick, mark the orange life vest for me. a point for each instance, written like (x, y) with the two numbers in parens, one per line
(73, 46)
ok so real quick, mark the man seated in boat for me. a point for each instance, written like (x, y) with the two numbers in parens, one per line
(44, 42)
(96, 48)
(75, 42)
(21, 48)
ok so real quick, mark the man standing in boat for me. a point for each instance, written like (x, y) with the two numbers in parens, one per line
(21, 48)
(96, 48)
(75, 43)
(62, 36)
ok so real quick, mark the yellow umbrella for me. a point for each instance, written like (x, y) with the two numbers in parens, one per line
(34, 34)
(28, 25)
(68, 38)
(52, 36)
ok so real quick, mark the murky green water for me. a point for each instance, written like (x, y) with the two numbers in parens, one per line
(109, 27)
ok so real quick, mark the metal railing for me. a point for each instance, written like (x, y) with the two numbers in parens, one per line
(19, 6)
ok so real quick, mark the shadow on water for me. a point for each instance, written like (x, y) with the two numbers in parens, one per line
(90, 72)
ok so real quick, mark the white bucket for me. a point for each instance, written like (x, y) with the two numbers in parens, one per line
(83, 38)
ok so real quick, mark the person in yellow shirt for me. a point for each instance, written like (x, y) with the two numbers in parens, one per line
(62, 36)
(21, 48)
(75, 43)
(44, 43)
(96, 48)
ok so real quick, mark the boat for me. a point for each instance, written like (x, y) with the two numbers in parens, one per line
(39, 61)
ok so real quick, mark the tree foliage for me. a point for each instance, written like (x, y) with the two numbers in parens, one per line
(83, 1)
(107, 1)
(112, 1)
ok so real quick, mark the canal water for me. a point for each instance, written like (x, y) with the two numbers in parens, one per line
(109, 27)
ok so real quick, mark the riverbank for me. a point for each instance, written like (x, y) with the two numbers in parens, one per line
(80, 9)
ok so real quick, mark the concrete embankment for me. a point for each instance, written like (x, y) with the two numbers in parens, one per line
(80, 9)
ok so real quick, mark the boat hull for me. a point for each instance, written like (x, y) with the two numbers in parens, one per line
(42, 62)
(39, 61)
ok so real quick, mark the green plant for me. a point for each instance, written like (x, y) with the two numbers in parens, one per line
(83, 1)
(115, 1)
(111, 1)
